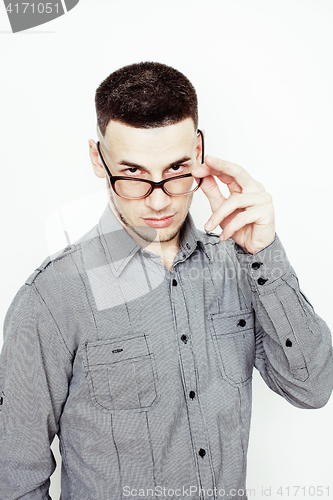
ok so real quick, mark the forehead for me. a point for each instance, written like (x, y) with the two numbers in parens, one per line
(150, 147)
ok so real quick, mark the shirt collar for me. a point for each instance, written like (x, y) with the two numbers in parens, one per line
(189, 240)
(120, 247)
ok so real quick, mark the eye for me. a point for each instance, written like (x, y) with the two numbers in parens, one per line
(176, 169)
(132, 172)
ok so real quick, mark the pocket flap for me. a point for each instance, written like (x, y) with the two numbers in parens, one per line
(106, 352)
(235, 323)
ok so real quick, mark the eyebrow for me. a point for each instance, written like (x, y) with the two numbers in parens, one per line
(126, 163)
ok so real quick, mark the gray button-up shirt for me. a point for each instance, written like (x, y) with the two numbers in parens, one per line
(145, 374)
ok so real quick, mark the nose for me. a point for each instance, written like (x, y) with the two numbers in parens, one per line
(158, 200)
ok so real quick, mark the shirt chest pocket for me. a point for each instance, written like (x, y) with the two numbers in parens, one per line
(121, 373)
(233, 337)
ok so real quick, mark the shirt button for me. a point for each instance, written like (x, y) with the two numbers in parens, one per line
(289, 343)
(192, 394)
(174, 283)
(256, 265)
(202, 452)
(145, 254)
(241, 322)
(262, 281)
(183, 338)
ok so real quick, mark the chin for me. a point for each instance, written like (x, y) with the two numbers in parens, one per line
(155, 236)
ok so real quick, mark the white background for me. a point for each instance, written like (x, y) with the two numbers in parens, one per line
(263, 72)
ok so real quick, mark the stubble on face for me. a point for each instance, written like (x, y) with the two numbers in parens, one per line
(146, 233)
(155, 149)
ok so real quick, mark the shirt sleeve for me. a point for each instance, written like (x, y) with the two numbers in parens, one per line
(35, 370)
(293, 344)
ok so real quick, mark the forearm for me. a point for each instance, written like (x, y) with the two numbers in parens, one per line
(294, 350)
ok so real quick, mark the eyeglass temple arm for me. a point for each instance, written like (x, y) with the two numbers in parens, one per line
(101, 157)
(202, 146)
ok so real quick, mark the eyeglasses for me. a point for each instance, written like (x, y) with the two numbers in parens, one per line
(135, 189)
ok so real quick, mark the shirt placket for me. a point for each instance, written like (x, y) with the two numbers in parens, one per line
(180, 305)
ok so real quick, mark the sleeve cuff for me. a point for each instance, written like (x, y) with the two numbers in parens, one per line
(265, 268)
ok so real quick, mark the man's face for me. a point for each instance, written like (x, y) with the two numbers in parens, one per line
(154, 154)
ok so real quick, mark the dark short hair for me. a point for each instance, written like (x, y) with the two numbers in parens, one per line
(146, 95)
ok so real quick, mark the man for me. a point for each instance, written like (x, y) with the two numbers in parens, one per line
(137, 344)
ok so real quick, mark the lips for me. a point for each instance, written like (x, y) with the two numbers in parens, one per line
(159, 222)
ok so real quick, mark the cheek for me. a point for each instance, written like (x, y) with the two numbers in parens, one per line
(184, 206)
(129, 207)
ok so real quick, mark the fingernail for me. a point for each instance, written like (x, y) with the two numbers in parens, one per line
(208, 225)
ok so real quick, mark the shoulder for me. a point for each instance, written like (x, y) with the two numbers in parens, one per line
(65, 263)
(51, 263)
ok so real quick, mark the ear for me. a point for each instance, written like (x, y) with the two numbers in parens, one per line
(198, 149)
(94, 157)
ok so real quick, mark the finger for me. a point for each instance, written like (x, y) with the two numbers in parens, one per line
(212, 191)
(235, 176)
(236, 202)
(259, 215)
(205, 171)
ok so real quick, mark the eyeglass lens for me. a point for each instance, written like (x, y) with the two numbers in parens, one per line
(129, 188)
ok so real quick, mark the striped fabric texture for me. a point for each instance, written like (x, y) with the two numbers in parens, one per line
(145, 374)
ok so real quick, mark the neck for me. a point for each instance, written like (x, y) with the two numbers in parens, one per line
(167, 250)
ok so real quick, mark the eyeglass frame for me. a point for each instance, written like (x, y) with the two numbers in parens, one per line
(153, 185)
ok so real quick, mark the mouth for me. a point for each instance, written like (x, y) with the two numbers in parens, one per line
(159, 222)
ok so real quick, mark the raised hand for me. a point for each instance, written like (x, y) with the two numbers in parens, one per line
(247, 215)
